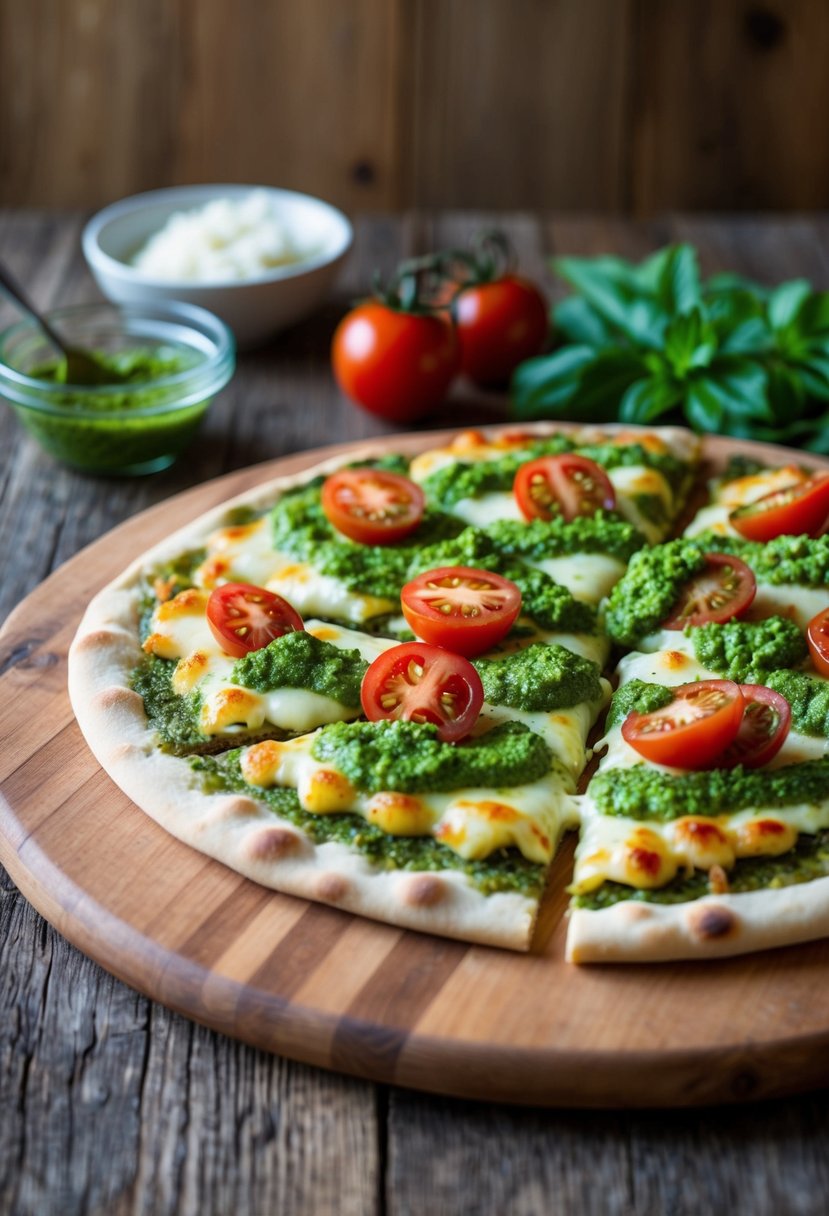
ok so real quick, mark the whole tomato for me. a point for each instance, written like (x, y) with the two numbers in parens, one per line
(393, 355)
(501, 318)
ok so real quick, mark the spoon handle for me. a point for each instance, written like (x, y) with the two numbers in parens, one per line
(15, 292)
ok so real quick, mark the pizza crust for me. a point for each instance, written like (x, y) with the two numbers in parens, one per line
(242, 833)
(716, 926)
(250, 838)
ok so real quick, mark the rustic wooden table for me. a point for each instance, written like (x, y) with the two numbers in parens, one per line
(112, 1104)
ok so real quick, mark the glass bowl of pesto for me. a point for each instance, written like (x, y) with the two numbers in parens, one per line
(171, 359)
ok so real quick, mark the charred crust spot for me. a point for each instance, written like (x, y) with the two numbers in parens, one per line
(235, 808)
(769, 827)
(98, 639)
(115, 698)
(332, 888)
(270, 844)
(712, 922)
(645, 860)
(423, 891)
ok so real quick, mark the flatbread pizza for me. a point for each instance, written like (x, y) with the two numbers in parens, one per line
(376, 686)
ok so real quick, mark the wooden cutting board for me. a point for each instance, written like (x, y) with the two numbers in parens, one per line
(322, 986)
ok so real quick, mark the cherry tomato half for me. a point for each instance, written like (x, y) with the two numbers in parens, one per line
(723, 589)
(463, 609)
(393, 363)
(692, 730)
(568, 485)
(417, 682)
(243, 618)
(372, 506)
(500, 324)
(817, 635)
(763, 730)
(801, 508)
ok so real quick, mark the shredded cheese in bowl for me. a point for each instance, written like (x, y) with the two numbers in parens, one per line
(227, 240)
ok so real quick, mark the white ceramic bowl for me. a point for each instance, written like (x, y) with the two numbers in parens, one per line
(254, 308)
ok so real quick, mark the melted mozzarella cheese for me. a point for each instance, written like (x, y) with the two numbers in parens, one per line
(798, 603)
(617, 849)
(473, 822)
(564, 731)
(587, 576)
(488, 509)
(245, 554)
(227, 708)
(739, 493)
(632, 481)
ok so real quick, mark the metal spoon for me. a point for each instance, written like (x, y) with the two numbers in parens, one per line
(81, 366)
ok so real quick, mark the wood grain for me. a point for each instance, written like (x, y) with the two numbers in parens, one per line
(600, 105)
(167, 1087)
(427, 1013)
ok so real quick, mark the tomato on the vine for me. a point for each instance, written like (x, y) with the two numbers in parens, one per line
(817, 636)
(416, 682)
(500, 324)
(501, 318)
(723, 589)
(372, 506)
(461, 608)
(800, 508)
(567, 485)
(395, 355)
(243, 617)
(693, 729)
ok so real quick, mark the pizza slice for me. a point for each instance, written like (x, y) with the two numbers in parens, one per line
(706, 829)
(264, 760)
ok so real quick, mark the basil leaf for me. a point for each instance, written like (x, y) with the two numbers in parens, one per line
(678, 287)
(611, 289)
(576, 321)
(786, 301)
(585, 388)
(689, 342)
(648, 399)
(734, 389)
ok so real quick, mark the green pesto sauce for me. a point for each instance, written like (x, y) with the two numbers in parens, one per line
(541, 678)
(120, 436)
(409, 757)
(505, 870)
(645, 793)
(648, 592)
(175, 718)
(746, 651)
(808, 699)
(549, 604)
(164, 581)
(800, 560)
(298, 660)
(809, 859)
(638, 696)
(300, 528)
(600, 533)
(453, 482)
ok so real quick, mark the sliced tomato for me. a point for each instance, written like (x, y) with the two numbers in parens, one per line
(801, 508)
(372, 506)
(692, 730)
(817, 635)
(243, 618)
(417, 682)
(463, 609)
(723, 589)
(567, 485)
(763, 730)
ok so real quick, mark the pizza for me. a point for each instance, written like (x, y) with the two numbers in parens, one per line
(379, 685)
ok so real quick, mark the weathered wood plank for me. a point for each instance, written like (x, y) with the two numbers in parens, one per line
(128, 1091)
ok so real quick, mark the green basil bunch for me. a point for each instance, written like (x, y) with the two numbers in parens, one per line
(653, 341)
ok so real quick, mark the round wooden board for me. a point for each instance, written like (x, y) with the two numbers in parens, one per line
(322, 986)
